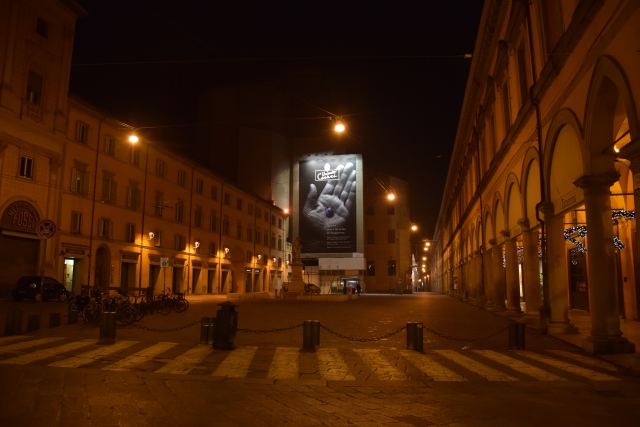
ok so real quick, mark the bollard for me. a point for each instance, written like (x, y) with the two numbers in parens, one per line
(225, 326)
(207, 325)
(310, 335)
(108, 328)
(516, 335)
(13, 324)
(415, 336)
(72, 316)
(54, 320)
(33, 322)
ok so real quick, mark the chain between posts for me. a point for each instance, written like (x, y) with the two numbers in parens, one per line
(177, 328)
(451, 338)
(362, 339)
(266, 331)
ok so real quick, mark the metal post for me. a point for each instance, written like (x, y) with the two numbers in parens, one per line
(108, 328)
(54, 320)
(415, 336)
(310, 335)
(13, 325)
(516, 335)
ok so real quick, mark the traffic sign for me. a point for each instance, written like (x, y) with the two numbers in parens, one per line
(46, 229)
(164, 262)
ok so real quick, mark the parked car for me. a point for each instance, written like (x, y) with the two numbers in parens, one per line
(39, 289)
(310, 288)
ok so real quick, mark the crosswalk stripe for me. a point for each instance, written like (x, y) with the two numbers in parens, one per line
(4, 340)
(332, 366)
(47, 352)
(236, 364)
(520, 366)
(27, 344)
(184, 363)
(475, 366)
(93, 355)
(380, 365)
(140, 357)
(284, 365)
(595, 363)
(430, 367)
(569, 367)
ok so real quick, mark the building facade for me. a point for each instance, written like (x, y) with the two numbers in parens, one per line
(538, 209)
(78, 202)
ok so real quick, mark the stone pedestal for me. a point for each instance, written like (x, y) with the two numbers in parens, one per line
(297, 282)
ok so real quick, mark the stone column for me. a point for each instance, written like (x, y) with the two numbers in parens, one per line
(500, 278)
(558, 273)
(511, 275)
(489, 275)
(531, 270)
(606, 336)
(631, 151)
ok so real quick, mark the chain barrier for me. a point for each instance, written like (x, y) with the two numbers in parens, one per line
(363, 339)
(178, 328)
(266, 331)
(451, 338)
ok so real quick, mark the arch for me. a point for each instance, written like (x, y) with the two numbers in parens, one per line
(488, 229)
(609, 100)
(564, 144)
(20, 215)
(102, 273)
(530, 185)
(498, 216)
(513, 204)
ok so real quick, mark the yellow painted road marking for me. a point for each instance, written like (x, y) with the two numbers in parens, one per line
(474, 366)
(430, 367)
(140, 357)
(93, 355)
(47, 352)
(236, 364)
(569, 367)
(184, 363)
(27, 344)
(591, 361)
(4, 340)
(284, 365)
(332, 366)
(380, 366)
(519, 365)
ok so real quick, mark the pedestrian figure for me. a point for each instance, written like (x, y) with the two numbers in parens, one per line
(279, 288)
(358, 288)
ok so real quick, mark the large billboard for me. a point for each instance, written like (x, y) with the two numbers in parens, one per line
(327, 199)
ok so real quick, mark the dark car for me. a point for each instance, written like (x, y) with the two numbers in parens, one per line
(39, 288)
(310, 288)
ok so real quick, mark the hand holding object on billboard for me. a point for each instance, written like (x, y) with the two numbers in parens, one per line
(334, 204)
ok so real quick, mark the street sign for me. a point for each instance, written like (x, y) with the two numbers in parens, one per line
(164, 262)
(46, 229)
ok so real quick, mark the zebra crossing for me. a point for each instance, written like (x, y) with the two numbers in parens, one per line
(288, 363)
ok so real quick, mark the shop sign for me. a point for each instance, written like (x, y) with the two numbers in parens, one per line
(20, 216)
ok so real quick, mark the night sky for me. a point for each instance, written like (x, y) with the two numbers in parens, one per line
(395, 70)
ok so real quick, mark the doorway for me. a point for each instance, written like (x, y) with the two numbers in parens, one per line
(211, 274)
(69, 267)
(176, 285)
(195, 275)
(154, 273)
(248, 287)
(578, 285)
(127, 276)
(102, 275)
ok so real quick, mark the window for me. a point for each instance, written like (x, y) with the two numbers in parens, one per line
(214, 192)
(522, 74)
(258, 212)
(199, 185)
(133, 196)
(273, 220)
(371, 268)
(273, 240)
(213, 221)
(76, 222)
(197, 217)
(225, 225)
(130, 233)
(109, 187)
(82, 132)
(248, 258)
(239, 231)
(258, 236)
(371, 237)
(181, 177)
(391, 236)
(239, 203)
(34, 88)
(506, 110)
(227, 199)
(391, 210)
(79, 180)
(249, 234)
(250, 208)
(104, 228)
(370, 210)
(279, 243)
(266, 239)
(280, 223)
(391, 267)
(134, 156)
(42, 27)
(110, 145)
(180, 242)
(161, 168)
(26, 167)
(157, 238)
(212, 249)
(159, 203)
(179, 211)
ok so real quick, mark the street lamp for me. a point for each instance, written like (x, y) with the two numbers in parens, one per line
(339, 127)
(414, 227)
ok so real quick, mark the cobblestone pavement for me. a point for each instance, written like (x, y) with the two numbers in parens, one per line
(59, 376)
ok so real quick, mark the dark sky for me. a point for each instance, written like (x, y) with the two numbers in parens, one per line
(395, 69)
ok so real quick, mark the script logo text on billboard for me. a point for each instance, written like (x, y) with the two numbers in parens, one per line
(326, 175)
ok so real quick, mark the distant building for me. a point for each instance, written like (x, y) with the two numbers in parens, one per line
(538, 208)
